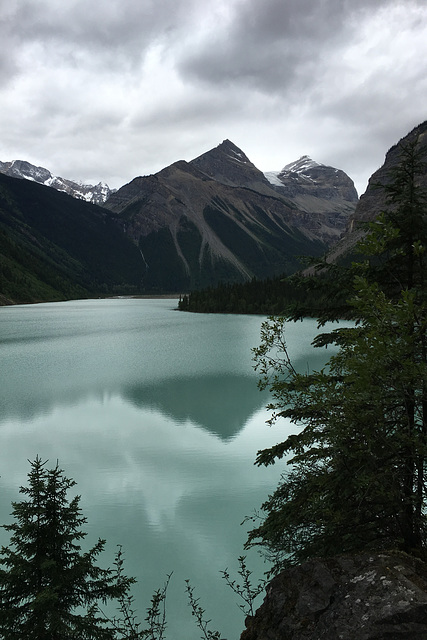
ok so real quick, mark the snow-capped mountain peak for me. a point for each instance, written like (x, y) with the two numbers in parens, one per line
(22, 169)
(97, 194)
(301, 166)
(306, 178)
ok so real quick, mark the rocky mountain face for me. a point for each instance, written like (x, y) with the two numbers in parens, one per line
(364, 597)
(218, 217)
(193, 224)
(319, 190)
(306, 179)
(228, 165)
(97, 194)
(373, 201)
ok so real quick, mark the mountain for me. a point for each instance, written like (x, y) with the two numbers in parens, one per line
(320, 190)
(228, 165)
(97, 194)
(373, 201)
(218, 218)
(305, 177)
(56, 247)
(214, 219)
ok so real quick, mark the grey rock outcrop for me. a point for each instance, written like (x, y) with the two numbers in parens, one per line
(379, 596)
(373, 201)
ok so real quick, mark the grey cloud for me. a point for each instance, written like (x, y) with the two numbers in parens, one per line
(274, 45)
(118, 31)
(8, 69)
(202, 109)
(109, 89)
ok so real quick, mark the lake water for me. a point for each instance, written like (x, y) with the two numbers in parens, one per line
(157, 416)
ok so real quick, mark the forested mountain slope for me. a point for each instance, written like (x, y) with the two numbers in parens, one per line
(279, 296)
(54, 247)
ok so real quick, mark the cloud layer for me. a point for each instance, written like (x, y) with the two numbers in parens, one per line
(112, 89)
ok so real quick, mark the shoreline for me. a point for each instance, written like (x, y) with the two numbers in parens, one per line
(4, 302)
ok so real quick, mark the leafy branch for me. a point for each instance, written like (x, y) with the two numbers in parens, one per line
(198, 612)
(246, 591)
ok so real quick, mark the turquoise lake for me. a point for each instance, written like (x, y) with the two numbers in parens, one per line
(157, 416)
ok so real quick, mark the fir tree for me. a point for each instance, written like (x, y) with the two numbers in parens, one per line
(49, 588)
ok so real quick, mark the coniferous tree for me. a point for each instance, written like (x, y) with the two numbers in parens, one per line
(358, 461)
(49, 588)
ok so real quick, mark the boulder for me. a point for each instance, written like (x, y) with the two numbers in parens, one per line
(381, 596)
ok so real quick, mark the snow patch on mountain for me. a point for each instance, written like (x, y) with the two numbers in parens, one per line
(273, 178)
(239, 156)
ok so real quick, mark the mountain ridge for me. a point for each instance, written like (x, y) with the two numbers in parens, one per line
(56, 247)
(373, 201)
(97, 194)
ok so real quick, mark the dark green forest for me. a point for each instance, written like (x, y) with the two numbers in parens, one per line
(292, 296)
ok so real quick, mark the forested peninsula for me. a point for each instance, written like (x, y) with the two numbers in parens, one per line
(284, 295)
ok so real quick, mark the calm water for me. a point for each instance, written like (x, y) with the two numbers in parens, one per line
(157, 416)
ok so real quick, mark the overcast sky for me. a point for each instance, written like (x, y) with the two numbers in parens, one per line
(112, 89)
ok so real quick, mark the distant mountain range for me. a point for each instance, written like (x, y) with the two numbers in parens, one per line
(193, 224)
(97, 194)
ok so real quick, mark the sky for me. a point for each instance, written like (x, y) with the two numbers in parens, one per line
(108, 90)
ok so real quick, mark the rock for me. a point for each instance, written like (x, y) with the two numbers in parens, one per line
(380, 596)
(374, 200)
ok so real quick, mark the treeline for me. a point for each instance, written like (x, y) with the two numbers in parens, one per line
(358, 475)
(283, 295)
